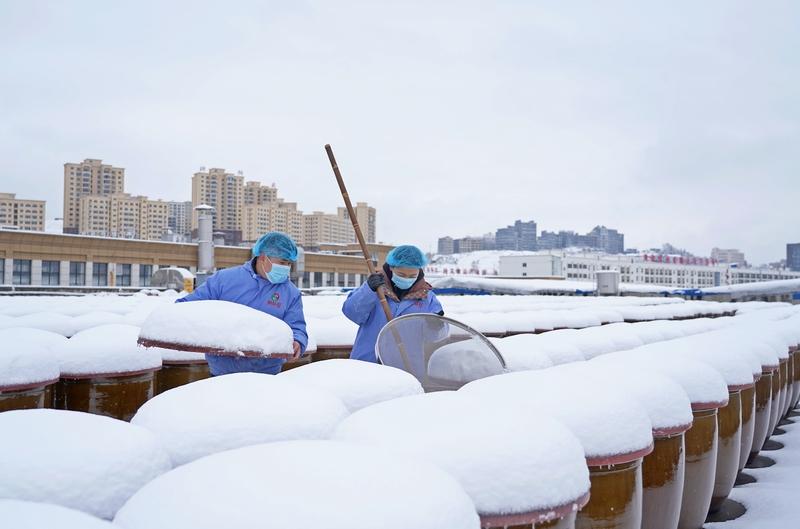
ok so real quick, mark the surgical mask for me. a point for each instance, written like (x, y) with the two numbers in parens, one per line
(278, 274)
(403, 283)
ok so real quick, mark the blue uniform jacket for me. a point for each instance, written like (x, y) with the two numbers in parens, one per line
(243, 285)
(363, 307)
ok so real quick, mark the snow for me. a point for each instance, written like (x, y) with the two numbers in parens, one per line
(86, 462)
(533, 286)
(333, 331)
(519, 355)
(47, 321)
(94, 319)
(719, 353)
(301, 484)
(24, 362)
(14, 336)
(230, 327)
(665, 401)
(32, 515)
(557, 350)
(506, 461)
(701, 382)
(771, 502)
(763, 288)
(236, 410)
(107, 349)
(606, 422)
(358, 384)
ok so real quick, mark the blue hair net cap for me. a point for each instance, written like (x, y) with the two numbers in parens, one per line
(406, 256)
(276, 244)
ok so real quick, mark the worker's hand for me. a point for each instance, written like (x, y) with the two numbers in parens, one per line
(375, 281)
(297, 350)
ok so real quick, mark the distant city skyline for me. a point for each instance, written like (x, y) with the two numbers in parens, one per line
(672, 121)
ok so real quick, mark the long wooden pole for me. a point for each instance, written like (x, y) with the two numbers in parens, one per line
(351, 212)
(360, 237)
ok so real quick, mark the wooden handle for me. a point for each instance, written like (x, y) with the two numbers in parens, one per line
(381, 295)
(359, 236)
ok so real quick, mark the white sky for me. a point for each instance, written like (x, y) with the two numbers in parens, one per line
(670, 121)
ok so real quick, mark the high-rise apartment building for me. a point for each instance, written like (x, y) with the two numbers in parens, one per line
(366, 218)
(445, 246)
(20, 213)
(608, 240)
(256, 193)
(793, 256)
(224, 192)
(124, 216)
(276, 216)
(320, 228)
(179, 219)
(520, 236)
(91, 177)
(154, 220)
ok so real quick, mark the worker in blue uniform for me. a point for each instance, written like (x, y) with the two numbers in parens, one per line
(261, 283)
(403, 281)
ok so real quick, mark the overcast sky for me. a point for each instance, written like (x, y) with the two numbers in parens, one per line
(670, 121)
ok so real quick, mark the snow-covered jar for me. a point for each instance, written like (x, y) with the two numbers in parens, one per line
(733, 362)
(179, 368)
(301, 484)
(707, 392)
(104, 371)
(615, 431)
(670, 411)
(358, 384)
(28, 369)
(505, 461)
(240, 409)
(78, 460)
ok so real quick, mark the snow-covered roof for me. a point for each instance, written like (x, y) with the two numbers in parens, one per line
(533, 286)
(763, 288)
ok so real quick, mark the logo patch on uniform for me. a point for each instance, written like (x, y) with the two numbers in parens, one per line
(275, 299)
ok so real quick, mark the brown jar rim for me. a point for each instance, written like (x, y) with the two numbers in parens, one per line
(29, 385)
(705, 406)
(616, 459)
(119, 374)
(671, 431)
(534, 517)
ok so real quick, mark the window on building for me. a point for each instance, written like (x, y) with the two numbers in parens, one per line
(51, 272)
(318, 279)
(100, 274)
(145, 273)
(524, 265)
(22, 272)
(124, 275)
(2, 270)
(77, 274)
